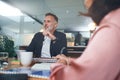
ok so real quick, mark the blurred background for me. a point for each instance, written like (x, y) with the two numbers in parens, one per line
(21, 19)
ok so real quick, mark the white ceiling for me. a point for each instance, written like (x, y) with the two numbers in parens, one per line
(66, 10)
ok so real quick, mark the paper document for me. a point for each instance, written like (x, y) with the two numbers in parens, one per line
(45, 60)
(41, 66)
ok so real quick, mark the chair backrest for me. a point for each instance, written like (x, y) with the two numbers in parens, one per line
(13, 77)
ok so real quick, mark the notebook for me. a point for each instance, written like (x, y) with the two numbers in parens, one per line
(30, 72)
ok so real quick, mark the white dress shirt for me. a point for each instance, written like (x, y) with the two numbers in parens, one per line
(45, 52)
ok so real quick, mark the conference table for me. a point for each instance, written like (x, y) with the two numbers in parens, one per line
(13, 64)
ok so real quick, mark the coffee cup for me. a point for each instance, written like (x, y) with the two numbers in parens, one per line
(26, 58)
(18, 53)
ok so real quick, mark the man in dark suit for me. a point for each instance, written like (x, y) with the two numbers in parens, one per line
(49, 42)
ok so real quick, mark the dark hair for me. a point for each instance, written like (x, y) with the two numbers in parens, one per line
(100, 8)
(51, 14)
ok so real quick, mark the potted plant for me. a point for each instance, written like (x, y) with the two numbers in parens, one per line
(7, 45)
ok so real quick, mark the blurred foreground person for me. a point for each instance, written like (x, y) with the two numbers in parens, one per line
(100, 60)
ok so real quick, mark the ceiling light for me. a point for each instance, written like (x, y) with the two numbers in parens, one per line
(7, 10)
(67, 11)
(92, 26)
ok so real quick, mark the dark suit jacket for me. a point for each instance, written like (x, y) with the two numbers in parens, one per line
(56, 46)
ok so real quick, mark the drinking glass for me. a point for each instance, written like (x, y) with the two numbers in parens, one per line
(3, 59)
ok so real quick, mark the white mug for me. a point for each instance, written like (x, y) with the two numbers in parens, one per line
(26, 58)
(18, 53)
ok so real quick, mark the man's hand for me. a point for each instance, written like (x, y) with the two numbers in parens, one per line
(49, 34)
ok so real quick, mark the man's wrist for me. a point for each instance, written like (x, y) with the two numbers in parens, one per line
(54, 38)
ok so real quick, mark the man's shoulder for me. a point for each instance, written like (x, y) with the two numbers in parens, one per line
(38, 34)
(60, 33)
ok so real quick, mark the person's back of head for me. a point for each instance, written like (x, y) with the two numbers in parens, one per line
(100, 8)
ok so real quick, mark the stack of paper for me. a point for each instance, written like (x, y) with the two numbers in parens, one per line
(41, 66)
(45, 60)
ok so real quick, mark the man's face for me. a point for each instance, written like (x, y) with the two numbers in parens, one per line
(50, 23)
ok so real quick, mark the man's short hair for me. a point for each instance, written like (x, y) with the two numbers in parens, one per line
(51, 14)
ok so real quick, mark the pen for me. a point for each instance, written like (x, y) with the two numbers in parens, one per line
(61, 51)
